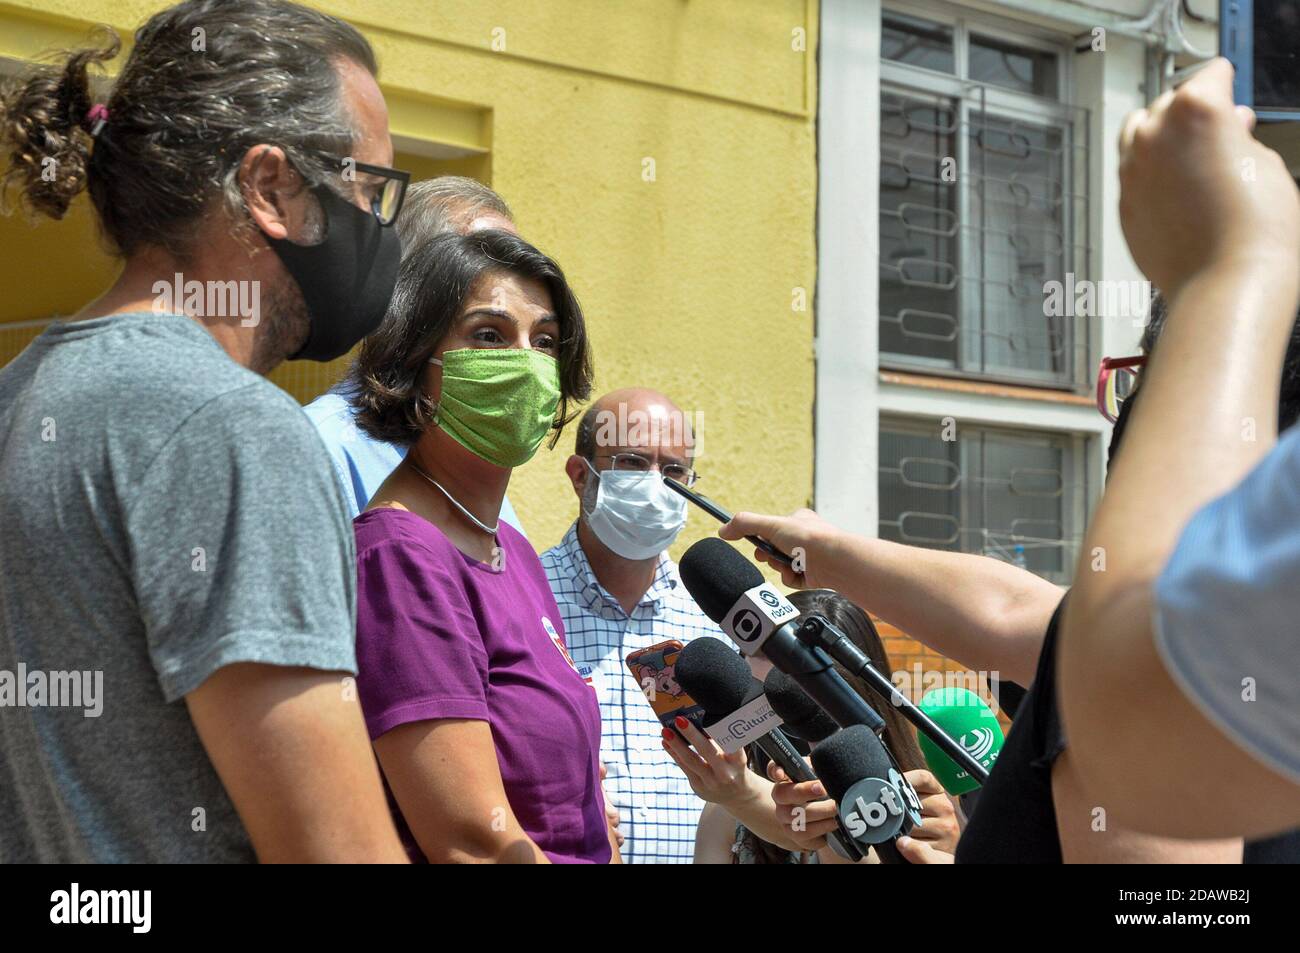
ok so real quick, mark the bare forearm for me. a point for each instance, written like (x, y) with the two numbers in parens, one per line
(1215, 374)
(483, 846)
(979, 611)
(292, 752)
(756, 811)
(1208, 414)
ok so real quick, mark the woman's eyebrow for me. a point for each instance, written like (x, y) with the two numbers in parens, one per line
(491, 313)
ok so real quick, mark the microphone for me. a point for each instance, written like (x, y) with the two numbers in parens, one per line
(755, 616)
(736, 713)
(803, 718)
(876, 803)
(962, 715)
(817, 632)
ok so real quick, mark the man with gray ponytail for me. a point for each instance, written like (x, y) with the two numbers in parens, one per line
(173, 529)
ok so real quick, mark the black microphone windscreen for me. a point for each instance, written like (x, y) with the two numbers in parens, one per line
(848, 756)
(801, 716)
(715, 676)
(716, 575)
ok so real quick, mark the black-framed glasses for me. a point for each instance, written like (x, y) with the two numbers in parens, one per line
(636, 463)
(388, 203)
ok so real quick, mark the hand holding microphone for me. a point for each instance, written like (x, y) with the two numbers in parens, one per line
(714, 775)
(935, 840)
(737, 715)
(810, 540)
(803, 808)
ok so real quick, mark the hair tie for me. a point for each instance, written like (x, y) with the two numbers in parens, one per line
(97, 115)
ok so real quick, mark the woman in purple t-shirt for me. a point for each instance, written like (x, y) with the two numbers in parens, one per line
(487, 735)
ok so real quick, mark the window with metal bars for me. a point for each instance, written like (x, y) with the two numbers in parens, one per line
(983, 202)
(1014, 495)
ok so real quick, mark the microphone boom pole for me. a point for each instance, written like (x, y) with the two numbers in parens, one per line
(818, 633)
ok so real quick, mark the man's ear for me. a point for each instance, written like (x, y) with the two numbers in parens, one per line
(576, 469)
(268, 181)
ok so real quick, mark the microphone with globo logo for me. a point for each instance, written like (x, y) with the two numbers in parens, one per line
(759, 619)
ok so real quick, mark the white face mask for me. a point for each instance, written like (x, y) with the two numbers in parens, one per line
(635, 514)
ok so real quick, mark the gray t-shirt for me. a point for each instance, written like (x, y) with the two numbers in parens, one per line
(164, 512)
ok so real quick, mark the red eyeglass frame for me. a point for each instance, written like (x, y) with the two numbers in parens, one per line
(1108, 366)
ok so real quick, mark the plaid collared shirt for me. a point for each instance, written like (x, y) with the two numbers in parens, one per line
(658, 809)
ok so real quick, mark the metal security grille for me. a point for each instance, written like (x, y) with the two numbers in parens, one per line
(983, 202)
(1012, 495)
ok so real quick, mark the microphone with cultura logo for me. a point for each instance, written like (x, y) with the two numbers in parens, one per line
(737, 714)
(876, 803)
(964, 716)
(754, 615)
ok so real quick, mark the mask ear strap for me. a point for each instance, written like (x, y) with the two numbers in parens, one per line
(594, 473)
(438, 406)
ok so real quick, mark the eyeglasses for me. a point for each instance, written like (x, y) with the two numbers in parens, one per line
(1116, 379)
(388, 203)
(639, 464)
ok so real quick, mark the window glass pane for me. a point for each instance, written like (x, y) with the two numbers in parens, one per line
(918, 230)
(1009, 495)
(1021, 495)
(1018, 242)
(916, 42)
(1003, 64)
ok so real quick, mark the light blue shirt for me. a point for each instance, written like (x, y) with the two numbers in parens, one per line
(360, 461)
(658, 811)
(1227, 610)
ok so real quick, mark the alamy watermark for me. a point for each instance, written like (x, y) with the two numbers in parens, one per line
(210, 299)
(1106, 298)
(54, 689)
(915, 682)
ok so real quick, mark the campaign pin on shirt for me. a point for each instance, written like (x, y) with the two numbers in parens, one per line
(559, 644)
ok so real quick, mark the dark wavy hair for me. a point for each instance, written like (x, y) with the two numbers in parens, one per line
(206, 80)
(384, 384)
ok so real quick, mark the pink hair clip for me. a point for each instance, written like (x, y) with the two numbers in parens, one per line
(97, 115)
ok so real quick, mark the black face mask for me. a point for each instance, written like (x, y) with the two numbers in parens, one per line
(347, 280)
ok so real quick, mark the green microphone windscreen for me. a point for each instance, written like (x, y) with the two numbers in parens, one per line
(964, 716)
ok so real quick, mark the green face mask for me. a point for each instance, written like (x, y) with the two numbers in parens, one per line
(498, 403)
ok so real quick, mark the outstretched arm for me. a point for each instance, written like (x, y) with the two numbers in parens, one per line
(980, 611)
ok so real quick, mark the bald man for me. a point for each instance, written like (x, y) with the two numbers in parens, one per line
(618, 591)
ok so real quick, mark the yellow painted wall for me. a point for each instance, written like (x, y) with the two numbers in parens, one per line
(687, 280)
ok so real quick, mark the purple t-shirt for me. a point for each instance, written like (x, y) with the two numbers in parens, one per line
(442, 635)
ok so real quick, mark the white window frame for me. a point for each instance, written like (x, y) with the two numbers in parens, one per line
(851, 395)
(1001, 103)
